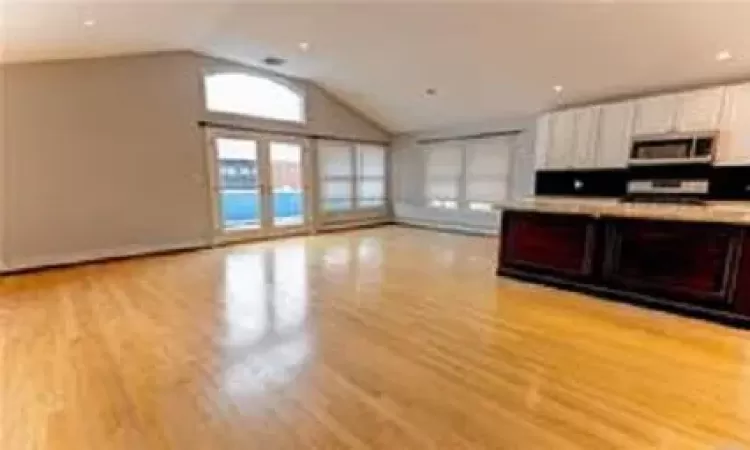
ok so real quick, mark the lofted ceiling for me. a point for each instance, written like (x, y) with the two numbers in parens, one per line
(487, 61)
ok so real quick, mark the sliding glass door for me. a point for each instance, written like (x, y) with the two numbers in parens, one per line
(258, 184)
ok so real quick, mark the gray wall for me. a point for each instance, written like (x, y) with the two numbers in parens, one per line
(407, 183)
(103, 157)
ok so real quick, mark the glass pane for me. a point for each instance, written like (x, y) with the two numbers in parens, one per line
(371, 202)
(480, 206)
(237, 161)
(337, 195)
(286, 182)
(371, 188)
(486, 190)
(338, 205)
(446, 189)
(240, 93)
(335, 160)
(371, 161)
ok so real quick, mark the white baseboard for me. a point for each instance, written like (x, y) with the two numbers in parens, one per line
(38, 262)
(442, 226)
(333, 226)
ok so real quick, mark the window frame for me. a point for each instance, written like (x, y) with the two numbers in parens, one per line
(463, 201)
(356, 203)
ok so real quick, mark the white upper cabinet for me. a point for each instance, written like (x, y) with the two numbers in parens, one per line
(734, 137)
(585, 137)
(615, 135)
(656, 115)
(562, 136)
(541, 141)
(700, 110)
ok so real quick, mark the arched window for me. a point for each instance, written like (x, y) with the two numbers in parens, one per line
(250, 95)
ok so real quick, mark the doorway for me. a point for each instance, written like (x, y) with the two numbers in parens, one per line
(259, 185)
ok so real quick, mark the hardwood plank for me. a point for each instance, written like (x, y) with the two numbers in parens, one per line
(384, 338)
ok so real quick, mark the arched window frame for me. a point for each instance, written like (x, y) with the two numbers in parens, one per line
(292, 88)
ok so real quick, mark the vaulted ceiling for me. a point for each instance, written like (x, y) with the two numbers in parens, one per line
(485, 60)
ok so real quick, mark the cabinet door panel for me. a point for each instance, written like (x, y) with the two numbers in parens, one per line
(734, 136)
(741, 301)
(584, 143)
(655, 115)
(684, 260)
(542, 141)
(548, 242)
(700, 110)
(615, 135)
(562, 128)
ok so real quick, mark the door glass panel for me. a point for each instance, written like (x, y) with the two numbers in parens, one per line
(288, 197)
(238, 183)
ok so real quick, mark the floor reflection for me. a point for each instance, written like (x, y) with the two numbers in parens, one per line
(265, 342)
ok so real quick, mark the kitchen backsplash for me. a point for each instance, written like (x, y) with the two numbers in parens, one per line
(726, 182)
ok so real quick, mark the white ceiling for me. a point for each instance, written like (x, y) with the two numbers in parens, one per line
(487, 60)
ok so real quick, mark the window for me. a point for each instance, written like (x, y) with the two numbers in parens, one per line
(352, 176)
(443, 172)
(336, 176)
(487, 165)
(469, 174)
(370, 176)
(251, 95)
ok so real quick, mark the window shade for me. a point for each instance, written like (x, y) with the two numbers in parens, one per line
(370, 176)
(443, 171)
(487, 169)
(336, 167)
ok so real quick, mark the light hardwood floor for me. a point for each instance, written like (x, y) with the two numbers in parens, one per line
(388, 338)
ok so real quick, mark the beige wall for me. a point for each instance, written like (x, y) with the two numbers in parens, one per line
(103, 157)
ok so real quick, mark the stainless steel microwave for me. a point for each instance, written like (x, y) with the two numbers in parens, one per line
(673, 149)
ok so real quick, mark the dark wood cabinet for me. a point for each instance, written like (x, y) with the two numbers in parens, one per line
(551, 243)
(693, 267)
(741, 300)
(690, 261)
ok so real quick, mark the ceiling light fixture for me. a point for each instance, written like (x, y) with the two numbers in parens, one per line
(89, 23)
(304, 46)
(557, 88)
(723, 55)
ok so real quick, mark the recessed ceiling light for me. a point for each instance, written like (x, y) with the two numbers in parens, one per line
(89, 23)
(723, 55)
(304, 46)
(557, 88)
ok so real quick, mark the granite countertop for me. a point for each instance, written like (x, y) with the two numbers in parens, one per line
(737, 213)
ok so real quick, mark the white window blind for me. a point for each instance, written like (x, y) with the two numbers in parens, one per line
(370, 176)
(442, 171)
(487, 171)
(336, 166)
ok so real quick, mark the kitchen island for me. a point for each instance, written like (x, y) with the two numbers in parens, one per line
(693, 259)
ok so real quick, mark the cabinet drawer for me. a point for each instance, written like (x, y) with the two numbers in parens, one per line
(686, 261)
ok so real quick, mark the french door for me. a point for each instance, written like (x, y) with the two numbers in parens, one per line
(259, 184)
